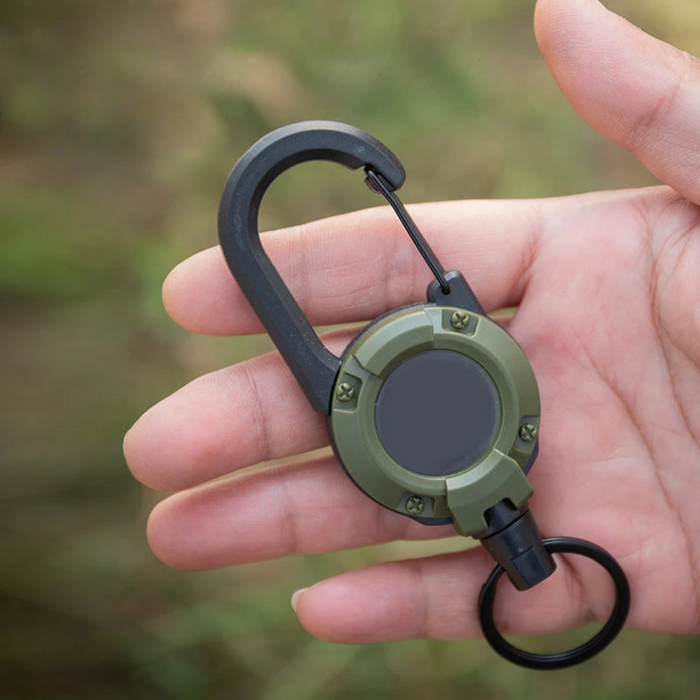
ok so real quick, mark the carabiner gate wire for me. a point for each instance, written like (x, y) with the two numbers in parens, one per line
(377, 183)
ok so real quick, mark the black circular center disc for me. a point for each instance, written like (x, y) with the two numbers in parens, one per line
(437, 413)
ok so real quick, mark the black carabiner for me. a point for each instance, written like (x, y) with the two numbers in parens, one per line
(313, 365)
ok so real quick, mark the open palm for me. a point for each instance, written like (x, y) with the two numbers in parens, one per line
(608, 295)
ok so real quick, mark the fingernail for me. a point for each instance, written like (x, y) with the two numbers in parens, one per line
(295, 597)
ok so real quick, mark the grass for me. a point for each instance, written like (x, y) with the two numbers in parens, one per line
(120, 123)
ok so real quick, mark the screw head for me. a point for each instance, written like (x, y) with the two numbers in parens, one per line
(528, 432)
(345, 392)
(459, 320)
(414, 505)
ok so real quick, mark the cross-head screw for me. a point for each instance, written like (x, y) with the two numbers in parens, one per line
(528, 432)
(459, 320)
(345, 392)
(414, 505)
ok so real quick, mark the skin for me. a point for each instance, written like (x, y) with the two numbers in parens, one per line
(608, 292)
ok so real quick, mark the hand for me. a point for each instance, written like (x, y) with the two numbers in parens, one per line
(608, 293)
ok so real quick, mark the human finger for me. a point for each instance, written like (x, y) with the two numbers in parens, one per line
(436, 597)
(275, 511)
(356, 266)
(638, 91)
(248, 413)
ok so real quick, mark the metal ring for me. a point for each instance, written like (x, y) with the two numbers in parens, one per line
(581, 653)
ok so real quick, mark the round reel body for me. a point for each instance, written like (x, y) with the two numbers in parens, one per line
(435, 413)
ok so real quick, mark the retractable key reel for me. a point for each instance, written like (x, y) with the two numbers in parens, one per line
(433, 409)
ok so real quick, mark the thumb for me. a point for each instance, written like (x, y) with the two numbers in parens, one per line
(638, 91)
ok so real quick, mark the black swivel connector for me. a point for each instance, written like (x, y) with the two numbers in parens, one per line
(515, 542)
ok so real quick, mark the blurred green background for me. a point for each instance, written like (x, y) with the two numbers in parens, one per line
(118, 125)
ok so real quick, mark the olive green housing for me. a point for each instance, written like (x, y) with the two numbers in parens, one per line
(496, 475)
